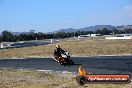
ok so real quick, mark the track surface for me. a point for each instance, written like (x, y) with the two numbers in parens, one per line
(100, 64)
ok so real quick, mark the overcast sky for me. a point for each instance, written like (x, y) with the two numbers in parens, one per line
(51, 15)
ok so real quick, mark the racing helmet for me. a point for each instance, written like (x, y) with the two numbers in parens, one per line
(57, 46)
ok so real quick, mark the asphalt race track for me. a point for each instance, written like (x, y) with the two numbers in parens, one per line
(96, 65)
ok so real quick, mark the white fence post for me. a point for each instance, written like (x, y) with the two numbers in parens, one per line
(1, 45)
(78, 38)
(51, 40)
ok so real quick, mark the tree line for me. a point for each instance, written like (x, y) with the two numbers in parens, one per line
(9, 37)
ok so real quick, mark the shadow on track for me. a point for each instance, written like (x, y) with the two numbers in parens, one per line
(77, 64)
(73, 65)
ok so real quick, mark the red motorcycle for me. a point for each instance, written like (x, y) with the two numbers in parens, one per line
(65, 59)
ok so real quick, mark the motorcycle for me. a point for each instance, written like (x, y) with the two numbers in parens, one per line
(65, 59)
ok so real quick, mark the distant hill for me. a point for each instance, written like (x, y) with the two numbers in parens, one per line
(67, 30)
(91, 28)
(18, 33)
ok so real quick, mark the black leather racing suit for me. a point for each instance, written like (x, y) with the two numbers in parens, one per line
(57, 52)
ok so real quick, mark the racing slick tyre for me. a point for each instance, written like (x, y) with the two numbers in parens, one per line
(61, 62)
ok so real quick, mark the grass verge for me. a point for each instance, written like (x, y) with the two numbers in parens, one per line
(76, 48)
(12, 78)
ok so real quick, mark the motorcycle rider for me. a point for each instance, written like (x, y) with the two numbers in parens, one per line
(57, 52)
(59, 58)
